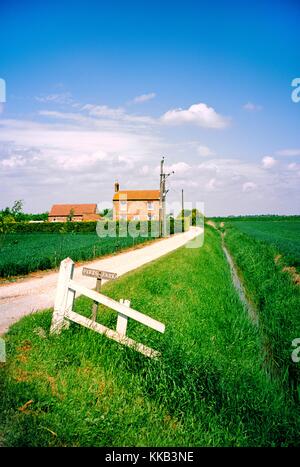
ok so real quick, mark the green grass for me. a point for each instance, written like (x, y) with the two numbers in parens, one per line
(284, 235)
(270, 287)
(209, 388)
(23, 253)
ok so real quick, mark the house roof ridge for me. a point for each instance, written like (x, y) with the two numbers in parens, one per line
(138, 194)
(78, 208)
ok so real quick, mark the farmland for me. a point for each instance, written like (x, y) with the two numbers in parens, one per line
(25, 247)
(24, 253)
(284, 235)
(211, 387)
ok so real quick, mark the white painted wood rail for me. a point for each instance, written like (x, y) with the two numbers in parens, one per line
(63, 311)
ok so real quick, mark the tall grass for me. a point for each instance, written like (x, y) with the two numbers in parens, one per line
(275, 295)
(284, 235)
(209, 388)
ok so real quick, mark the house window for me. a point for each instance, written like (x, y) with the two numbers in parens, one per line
(150, 205)
(123, 205)
(136, 218)
(151, 217)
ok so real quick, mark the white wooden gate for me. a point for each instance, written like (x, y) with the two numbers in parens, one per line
(63, 305)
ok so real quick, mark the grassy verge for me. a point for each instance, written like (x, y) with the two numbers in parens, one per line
(209, 388)
(275, 295)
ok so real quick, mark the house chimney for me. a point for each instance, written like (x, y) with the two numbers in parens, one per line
(117, 187)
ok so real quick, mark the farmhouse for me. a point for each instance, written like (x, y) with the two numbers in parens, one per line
(74, 213)
(140, 205)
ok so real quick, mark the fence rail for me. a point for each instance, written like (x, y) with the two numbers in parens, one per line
(63, 311)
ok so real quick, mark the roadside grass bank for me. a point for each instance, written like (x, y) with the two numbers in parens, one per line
(209, 388)
(275, 296)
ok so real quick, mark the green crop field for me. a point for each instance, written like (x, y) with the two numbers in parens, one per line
(282, 234)
(21, 253)
(26, 247)
(212, 385)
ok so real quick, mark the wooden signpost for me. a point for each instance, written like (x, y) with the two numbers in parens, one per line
(99, 275)
(63, 310)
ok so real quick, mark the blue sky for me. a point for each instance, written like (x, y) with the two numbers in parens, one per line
(100, 90)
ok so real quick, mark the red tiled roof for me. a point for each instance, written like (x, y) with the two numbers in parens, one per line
(137, 195)
(78, 209)
(91, 217)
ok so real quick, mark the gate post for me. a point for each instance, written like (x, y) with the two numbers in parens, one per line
(122, 319)
(64, 297)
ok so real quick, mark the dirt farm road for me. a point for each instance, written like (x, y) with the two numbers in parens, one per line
(37, 293)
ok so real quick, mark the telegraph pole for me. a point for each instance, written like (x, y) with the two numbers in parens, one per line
(162, 200)
(182, 204)
(161, 196)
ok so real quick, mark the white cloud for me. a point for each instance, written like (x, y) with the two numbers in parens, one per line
(197, 114)
(178, 183)
(62, 98)
(249, 186)
(288, 152)
(204, 151)
(250, 107)
(117, 114)
(75, 147)
(104, 111)
(81, 161)
(77, 117)
(144, 98)
(294, 166)
(145, 170)
(178, 167)
(92, 145)
(212, 184)
(268, 162)
(13, 162)
(228, 167)
(212, 165)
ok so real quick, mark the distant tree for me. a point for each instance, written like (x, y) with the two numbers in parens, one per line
(17, 207)
(71, 215)
(16, 213)
(195, 215)
(107, 213)
(14, 210)
(6, 224)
